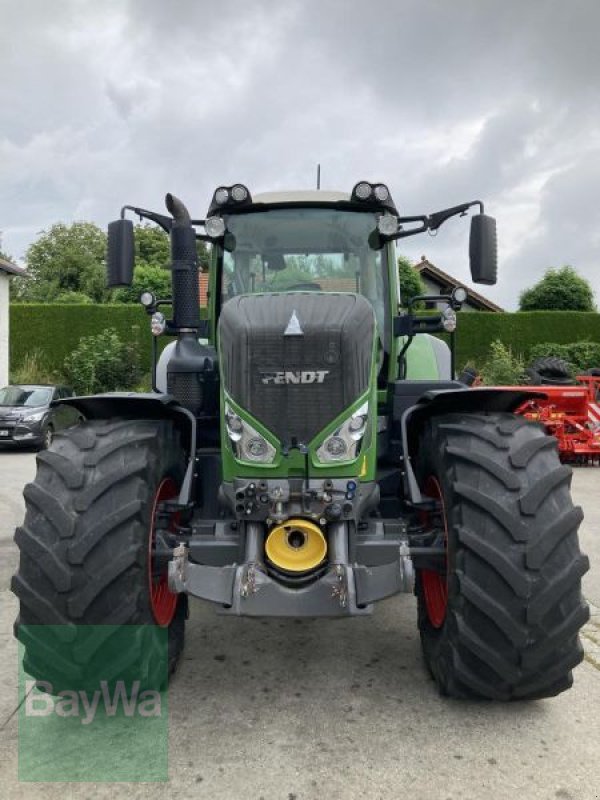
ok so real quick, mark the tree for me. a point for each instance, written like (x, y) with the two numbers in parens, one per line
(103, 363)
(152, 247)
(559, 290)
(65, 259)
(502, 367)
(146, 277)
(67, 264)
(411, 283)
(152, 257)
(73, 298)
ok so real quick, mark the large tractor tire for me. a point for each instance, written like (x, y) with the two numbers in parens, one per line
(550, 371)
(85, 557)
(501, 621)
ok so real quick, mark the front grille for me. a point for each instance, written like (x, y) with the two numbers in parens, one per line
(296, 384)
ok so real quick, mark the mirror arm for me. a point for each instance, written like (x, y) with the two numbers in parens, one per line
(435, 220)
(411, 232)
(163, 221)
(166, 223)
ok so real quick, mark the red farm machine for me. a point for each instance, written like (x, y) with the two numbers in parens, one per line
(572, 415)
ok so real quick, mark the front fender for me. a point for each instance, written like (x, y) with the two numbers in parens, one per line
(151, 405)
(450, 401)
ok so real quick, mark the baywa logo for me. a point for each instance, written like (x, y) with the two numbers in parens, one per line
(99, 711)
(128, 701)
(294, 376)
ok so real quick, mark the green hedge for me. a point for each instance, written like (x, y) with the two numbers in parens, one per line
(55, 330)
(521, 331)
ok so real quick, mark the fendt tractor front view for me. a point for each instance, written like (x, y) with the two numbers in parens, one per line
(306, 452)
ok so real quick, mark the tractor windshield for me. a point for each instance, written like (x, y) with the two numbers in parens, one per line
(304, 249)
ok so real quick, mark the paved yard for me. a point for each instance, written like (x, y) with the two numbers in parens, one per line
(332, 709)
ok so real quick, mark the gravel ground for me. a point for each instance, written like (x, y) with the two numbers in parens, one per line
(311, 709)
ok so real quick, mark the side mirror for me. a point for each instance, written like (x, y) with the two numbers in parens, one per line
(121, 253)
(483, 249)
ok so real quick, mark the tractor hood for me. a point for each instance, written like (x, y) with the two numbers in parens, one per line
(296, 360)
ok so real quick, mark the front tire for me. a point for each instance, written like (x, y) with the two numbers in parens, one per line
(502, 621)
(85, 556)
(47, 436)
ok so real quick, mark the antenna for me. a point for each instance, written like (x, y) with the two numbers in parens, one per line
(318, 176)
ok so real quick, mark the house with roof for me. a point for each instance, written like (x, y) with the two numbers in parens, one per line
(436, 281)
(7, 271)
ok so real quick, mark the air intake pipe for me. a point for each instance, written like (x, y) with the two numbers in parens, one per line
(192, 373)
(184, 256)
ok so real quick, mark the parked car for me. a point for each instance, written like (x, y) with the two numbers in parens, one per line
(27, 418)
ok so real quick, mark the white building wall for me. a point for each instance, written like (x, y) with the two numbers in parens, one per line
(4, 279)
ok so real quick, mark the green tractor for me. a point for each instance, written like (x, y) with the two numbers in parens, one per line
(306, 452)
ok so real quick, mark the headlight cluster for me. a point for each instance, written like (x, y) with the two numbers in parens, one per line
(32, 416)
(371, 191)
(248, 444)
(237, 193)
(344, 443)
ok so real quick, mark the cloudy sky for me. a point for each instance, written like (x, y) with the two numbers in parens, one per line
(113, 102)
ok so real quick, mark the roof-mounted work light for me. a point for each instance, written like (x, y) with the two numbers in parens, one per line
(374, 194)
(228, 197)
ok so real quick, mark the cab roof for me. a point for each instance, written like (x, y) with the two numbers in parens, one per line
(300, 196)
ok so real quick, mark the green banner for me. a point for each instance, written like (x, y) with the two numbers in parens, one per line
(77, 721)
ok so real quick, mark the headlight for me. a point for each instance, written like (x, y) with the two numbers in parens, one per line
(147, 299)
(344, 443)
(221, 195)
(34, 416)
(363, 190)
(214, 227)
(158, 323)
(247, 443)
(239, 193)
(387, 224)
(459, 295)
(382, 193)
(449, 320)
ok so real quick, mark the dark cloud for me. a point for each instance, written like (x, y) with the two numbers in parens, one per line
(112, 102)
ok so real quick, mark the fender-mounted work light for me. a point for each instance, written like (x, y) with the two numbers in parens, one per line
(459, 296)
(148, 299)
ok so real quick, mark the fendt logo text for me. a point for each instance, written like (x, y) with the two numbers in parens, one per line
(295, 376)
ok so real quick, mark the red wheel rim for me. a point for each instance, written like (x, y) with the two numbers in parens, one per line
(163, 602)
(435, 586)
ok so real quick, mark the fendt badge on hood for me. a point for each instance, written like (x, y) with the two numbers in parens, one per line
(294, 376)
(293, 327)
